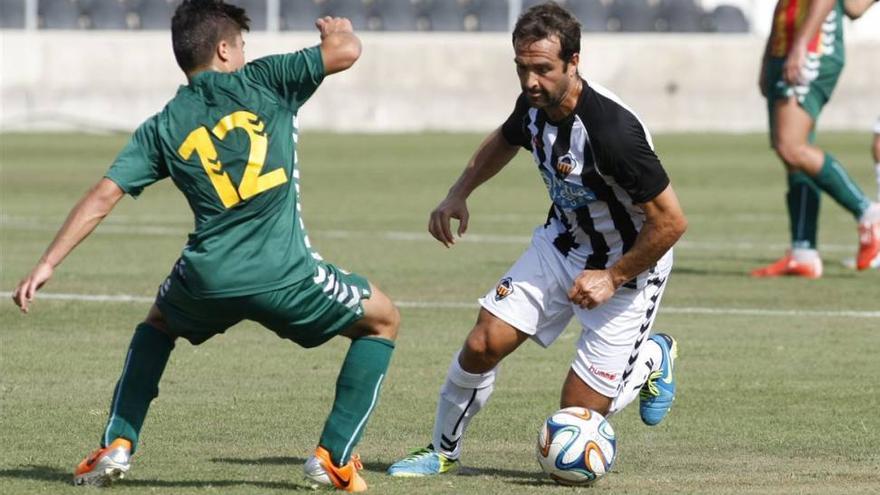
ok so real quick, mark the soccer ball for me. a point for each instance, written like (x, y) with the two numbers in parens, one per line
(576, 446)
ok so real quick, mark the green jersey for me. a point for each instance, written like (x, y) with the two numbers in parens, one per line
(228, 141)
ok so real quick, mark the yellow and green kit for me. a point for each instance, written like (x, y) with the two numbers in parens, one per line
(228, 141)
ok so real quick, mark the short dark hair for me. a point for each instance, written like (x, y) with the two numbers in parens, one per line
(197, 27)
(545, 20)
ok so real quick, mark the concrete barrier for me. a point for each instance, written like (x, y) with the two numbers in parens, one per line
(406, 82)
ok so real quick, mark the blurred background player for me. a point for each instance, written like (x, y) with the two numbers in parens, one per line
(227, 140)
(603, 256)
(855, 9)
(875, 150)
(802, 63)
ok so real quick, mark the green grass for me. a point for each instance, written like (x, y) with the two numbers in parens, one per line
(767, 404)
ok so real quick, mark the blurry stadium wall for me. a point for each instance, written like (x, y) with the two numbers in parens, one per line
(112, 80)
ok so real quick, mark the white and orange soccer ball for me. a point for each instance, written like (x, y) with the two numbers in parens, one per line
(576, 446)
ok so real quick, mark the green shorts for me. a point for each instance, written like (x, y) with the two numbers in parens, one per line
(308, 312)
(811, 96)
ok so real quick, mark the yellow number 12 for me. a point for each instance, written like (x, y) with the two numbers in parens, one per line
(252, 183)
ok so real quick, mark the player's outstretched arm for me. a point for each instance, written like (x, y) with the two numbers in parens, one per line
(856, 8)
(664, 224)
(491, 156)
(81, 221)
(794, 62)
(340, 47)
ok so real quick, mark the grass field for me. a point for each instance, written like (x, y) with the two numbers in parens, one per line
(778, 378)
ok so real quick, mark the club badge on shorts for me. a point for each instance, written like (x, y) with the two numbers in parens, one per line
(503, 289)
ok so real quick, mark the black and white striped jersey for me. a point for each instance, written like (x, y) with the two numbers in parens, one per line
(598, 164)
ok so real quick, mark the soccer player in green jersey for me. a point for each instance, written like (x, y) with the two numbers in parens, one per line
(802, 63)
(228, 141)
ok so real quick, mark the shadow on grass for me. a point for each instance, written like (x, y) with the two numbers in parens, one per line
(269, 485)
(39, 473)
(532, 478)
(295, 462)
(56, 475)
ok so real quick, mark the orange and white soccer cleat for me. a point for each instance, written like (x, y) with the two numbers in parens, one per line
(105, 465)
(869, 246)
(788, 266)
(320, 469)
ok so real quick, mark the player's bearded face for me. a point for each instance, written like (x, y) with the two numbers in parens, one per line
(544, 77)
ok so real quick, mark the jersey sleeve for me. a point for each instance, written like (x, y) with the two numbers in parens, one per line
(514, 128)
(293, 76)
(140, 163)
(633, 163)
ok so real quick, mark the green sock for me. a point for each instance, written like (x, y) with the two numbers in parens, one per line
(357, 391)
(138, 385)
(803, 198)
(834, 180)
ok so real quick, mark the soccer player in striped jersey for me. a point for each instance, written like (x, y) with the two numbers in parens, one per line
(802, 63)
(603, 256)
(228, 141)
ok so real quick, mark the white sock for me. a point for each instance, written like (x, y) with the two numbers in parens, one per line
(804, 255)
(462, 397)
(649, 360)
(871, 215)
(877, 171)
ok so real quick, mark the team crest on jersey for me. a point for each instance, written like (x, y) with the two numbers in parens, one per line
(565, 164)
(503, 289)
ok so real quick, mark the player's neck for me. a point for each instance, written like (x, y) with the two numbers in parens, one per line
(566, 105)
(215, 66)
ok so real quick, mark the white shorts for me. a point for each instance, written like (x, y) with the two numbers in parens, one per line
(533, 298)
(877, 127)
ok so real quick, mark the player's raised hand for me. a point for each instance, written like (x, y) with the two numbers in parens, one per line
(439, 224)
(328, 25)
(27, 288)
(592, 288)
(340, 47)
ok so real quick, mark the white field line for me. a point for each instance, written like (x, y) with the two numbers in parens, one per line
(20, 223)
(124, 298)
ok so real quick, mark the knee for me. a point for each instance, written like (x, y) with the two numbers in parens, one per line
(479, 353)
(391, 322)
(156, 320)
(877, 148)
(384, 323)
(792, 153)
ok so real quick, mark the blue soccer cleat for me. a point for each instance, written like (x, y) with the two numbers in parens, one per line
(423, 462)
(658, 392)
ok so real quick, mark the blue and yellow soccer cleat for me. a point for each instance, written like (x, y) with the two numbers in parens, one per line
(423, 462)
(658, 392)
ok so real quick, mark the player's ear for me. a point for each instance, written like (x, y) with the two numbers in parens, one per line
(573, 63)
(222, 50)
